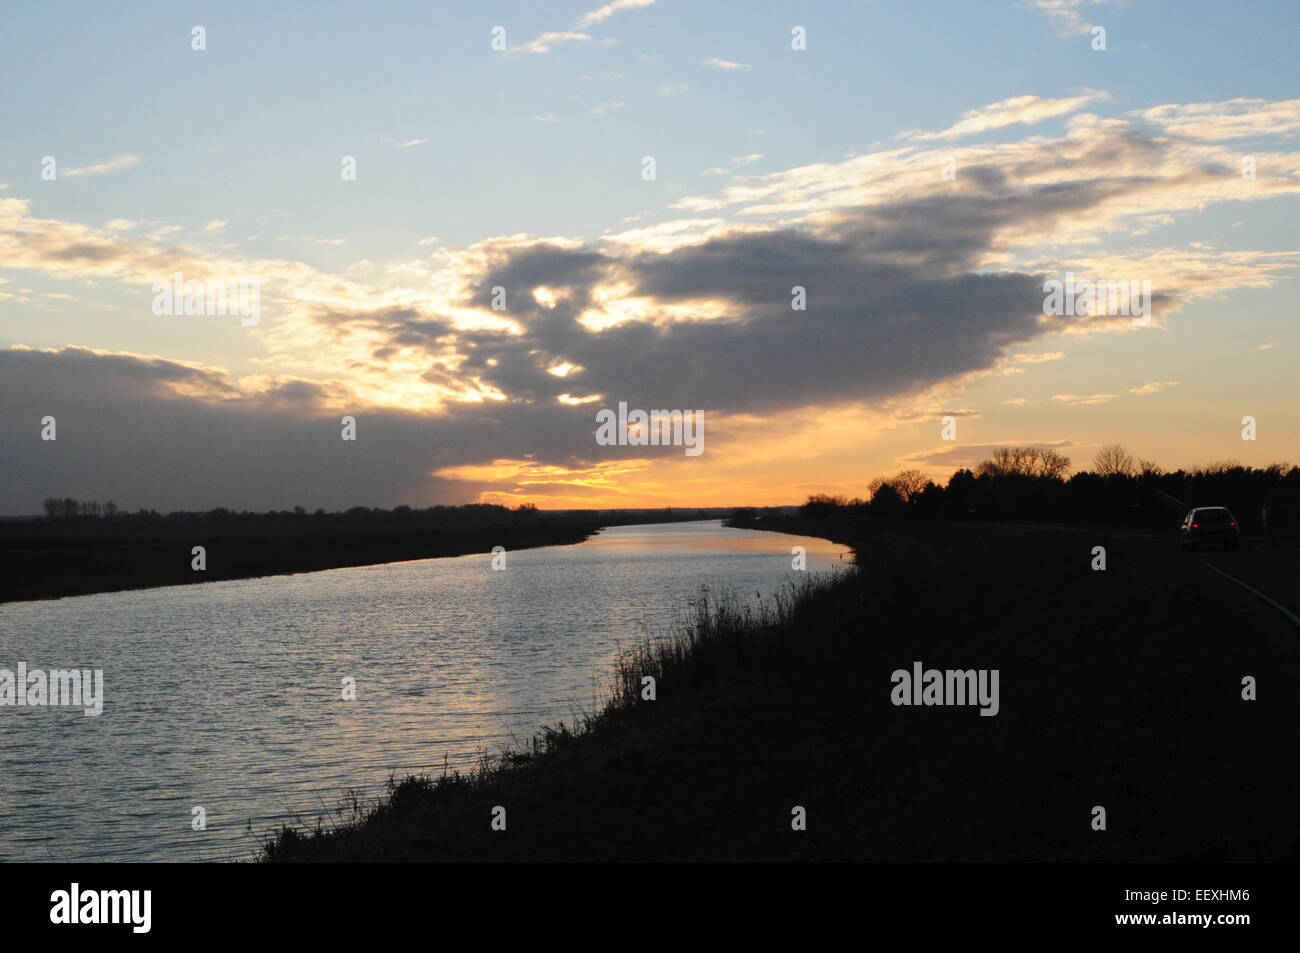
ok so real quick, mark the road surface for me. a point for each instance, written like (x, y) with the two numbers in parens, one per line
(1271, 569)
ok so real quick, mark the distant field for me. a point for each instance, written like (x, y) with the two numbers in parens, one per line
(45, 560)
(1119, 689)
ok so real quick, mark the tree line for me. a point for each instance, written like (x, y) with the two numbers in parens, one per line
(67, 508)
(1032, 484)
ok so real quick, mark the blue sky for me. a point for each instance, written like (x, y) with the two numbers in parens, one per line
(234, 153)
(257, 122)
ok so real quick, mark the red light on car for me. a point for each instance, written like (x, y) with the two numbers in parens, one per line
(1196, 526)
(1233, 523)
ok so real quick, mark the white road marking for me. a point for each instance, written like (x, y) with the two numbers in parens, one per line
(1276, 605)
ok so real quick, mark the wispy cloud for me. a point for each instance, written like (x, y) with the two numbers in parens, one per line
(1084, 400)
(606, 107)
(1088, 400)
(550, 40)
(411, 142)
(716, 63)
(1154, 387)
(1231, 119)
(1022, 110)
(112, 165)
(608, 10)
(1067, 14)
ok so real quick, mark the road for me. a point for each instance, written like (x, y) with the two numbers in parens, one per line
(1272, 569)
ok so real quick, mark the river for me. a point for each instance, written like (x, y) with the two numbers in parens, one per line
(229, 696)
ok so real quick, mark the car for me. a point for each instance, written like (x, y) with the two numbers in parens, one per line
(1210, 524)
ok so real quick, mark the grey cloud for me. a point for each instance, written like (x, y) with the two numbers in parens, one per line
(129, 430)
(894, 307)
(891, 309)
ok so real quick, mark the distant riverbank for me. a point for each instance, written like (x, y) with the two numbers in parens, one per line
(1120, 689)
(42, 559)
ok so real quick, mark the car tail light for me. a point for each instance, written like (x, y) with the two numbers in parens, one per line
(1233, 523)
(1196, 526)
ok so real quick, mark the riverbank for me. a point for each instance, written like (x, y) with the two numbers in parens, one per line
(49, 559)
(1119, 689)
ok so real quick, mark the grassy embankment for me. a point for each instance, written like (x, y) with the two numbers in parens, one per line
(46, 560)
(1118, 688)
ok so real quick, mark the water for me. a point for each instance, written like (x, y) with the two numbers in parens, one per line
(228, 695)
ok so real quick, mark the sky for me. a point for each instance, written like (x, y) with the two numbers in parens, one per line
(919, 169)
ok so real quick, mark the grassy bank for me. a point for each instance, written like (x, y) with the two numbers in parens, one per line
(1118, 688)
(46, 560)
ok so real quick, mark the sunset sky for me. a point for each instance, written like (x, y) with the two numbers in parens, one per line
(523, 168)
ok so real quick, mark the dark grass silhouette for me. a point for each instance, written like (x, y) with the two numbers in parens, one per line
(1118, 688)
